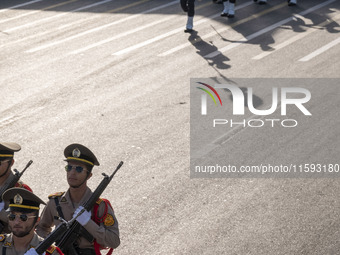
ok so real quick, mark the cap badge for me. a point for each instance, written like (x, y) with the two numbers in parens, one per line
(18, 199)
(76, 153)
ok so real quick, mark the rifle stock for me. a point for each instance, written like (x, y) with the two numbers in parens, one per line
(73, 233)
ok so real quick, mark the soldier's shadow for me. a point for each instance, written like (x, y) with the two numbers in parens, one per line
(328, 24)
(203, 48)
(296, 24)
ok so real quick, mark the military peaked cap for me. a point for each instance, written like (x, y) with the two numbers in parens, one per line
(7, 149)
(22, 200)
(80, 153)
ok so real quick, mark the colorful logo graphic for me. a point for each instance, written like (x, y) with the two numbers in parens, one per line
(240, 97)
(204, 96)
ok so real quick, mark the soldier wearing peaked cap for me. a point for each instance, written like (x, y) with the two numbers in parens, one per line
(7, 151)
(100, 222)
(23, 218)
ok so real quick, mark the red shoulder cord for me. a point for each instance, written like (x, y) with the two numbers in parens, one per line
(96, 219)
(22, 185)
(59, 251)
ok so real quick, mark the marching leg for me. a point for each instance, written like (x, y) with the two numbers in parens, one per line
(191, 13)
(231, 12)
(190, 25)
(226, 9)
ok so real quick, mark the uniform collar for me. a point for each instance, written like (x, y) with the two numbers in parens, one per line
(9, 241)
(65, 198)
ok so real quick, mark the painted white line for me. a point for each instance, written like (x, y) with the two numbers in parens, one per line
(265, 30)
(32, 12)
(56, 16)
(121, 35)
(19, 16)
(294, 39)
(115, 10)
(20, 5)
(222, 30)
(321, 50)
(103, 27)
(157, 38)
(128, 32)
(24, 39)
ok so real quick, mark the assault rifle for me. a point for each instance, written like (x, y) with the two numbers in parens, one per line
(68, 240)
(56, 233)
(12, 180)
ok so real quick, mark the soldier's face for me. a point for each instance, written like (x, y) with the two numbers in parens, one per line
(4, 165)
(74, 177)
(21, 228)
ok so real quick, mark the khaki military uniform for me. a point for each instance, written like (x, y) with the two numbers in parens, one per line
(7, 245)
(106, 233)
(3, 213)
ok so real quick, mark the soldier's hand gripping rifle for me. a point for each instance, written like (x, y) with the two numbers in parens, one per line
(10, 183)
(56, 234)
(68, 240)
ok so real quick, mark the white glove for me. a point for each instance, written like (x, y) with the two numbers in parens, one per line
(83, 218)
(32, 251)
(2, 205)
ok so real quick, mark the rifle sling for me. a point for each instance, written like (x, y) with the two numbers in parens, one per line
(60, 212)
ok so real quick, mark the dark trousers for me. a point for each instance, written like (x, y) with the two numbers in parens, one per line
(189, 7)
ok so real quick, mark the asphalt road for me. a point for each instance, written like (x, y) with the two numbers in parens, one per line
(115, 76)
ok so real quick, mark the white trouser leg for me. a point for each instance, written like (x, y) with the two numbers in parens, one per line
(190, 23)
(231, 9)
(226, 7)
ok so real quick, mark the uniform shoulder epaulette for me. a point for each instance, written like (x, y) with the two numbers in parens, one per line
(2, 238)
(57, 194)
(99, 201)
(50, 249)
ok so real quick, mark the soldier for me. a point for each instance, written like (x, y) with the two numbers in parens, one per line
(6, 162)
(100, 222)
(189, 7)
(229, 8)
(23, 218)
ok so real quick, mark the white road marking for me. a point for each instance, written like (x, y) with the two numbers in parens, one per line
(157, 38)
(221, 30)
(320, 50)
(32, 12)
(103, 27)
(55, 16)
(139, 28)
(19, 16)
(294, 38)
(265, 30)
(20, 5)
